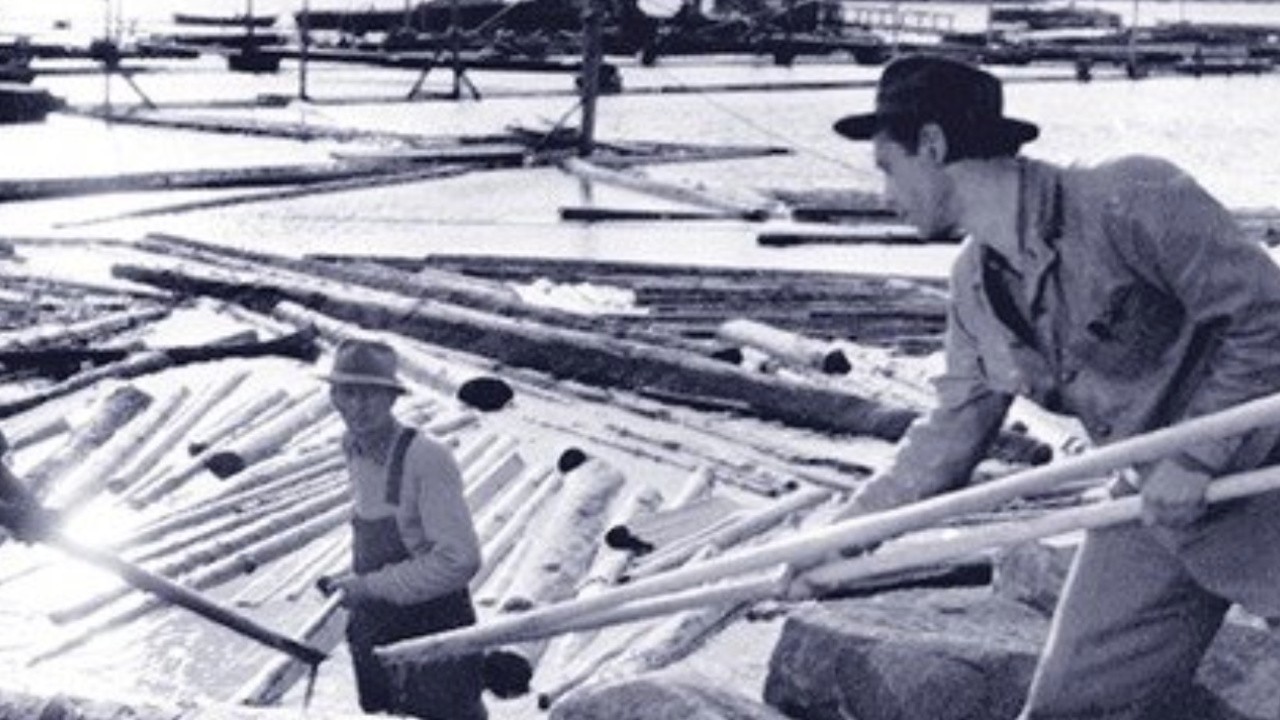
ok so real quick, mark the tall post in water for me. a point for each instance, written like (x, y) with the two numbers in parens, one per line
(304, 40)
(1134, 70)
(592, 21)
(106, 60)
(455, 46)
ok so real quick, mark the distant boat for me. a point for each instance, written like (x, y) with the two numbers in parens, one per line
(22, 103)
(224, 20)
(1035, 16)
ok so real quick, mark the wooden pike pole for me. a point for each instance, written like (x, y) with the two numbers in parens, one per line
(813, 547)
(270, 524)
(243, 561)
(163, 588)
(275, 678)
(884, 562)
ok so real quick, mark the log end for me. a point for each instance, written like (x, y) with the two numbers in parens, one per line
(731, 355)
(835, 363)
(485, 393)
(506, 673)
(620, 538)
(571, 459)
(225, 464)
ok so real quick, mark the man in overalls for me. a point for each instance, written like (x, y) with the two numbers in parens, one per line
(1121, 294)
(414, 545)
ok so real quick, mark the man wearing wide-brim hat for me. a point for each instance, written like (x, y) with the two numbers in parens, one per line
(1121, 294)
(414, 547)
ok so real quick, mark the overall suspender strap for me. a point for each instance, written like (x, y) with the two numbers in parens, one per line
(395, 471)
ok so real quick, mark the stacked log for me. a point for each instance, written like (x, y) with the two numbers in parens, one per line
(569, 540)
(606, 569)
(109, 415)
(92, 475)
(81, 333)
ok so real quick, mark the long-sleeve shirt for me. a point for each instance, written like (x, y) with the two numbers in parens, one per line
(432, 516)
(1134, 302)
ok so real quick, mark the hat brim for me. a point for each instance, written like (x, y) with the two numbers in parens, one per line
(864, 126)
(367, 380)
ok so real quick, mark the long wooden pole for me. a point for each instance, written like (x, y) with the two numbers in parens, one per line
(171, 592)
(861, 531)
(839, 573)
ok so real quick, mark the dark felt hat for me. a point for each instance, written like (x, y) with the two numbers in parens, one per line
(364, 362)
(929, 88)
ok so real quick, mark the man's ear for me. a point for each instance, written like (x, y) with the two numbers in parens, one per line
(933, 143)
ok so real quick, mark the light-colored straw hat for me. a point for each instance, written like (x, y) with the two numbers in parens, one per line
(365, 362)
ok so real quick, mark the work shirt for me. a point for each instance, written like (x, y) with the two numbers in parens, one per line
(1134, 301)
(432, 517)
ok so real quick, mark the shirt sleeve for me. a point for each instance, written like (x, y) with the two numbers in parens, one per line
(447, 555)
(1230, 290)
(942, 447)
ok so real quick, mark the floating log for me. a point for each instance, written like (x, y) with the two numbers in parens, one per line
(673, 639)
(255, 446)
(271, 584)
(744, 526)
(238, 418)
(92, 475)
(109, 415)
(142, 363)
(250, 508)
(697, 485)
(567, 543)
(585, 666)
(489, 154)
(492, 518)
(262, 480)
(486, 452)
(599, 214)
(79, 333)
(789, 347)
(468, 455)
(205, 178)
(605, 571)
(143, 488)
(877, 235)
(659, 529)
(755, 208)
(494, 582)
(41, 424)
(64, 361)
(391, 177)
(490, 479)
(511, 532)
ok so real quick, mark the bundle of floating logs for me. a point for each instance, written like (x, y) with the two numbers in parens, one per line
(223, 457)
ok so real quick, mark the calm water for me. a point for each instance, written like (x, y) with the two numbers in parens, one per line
(1221, 129)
